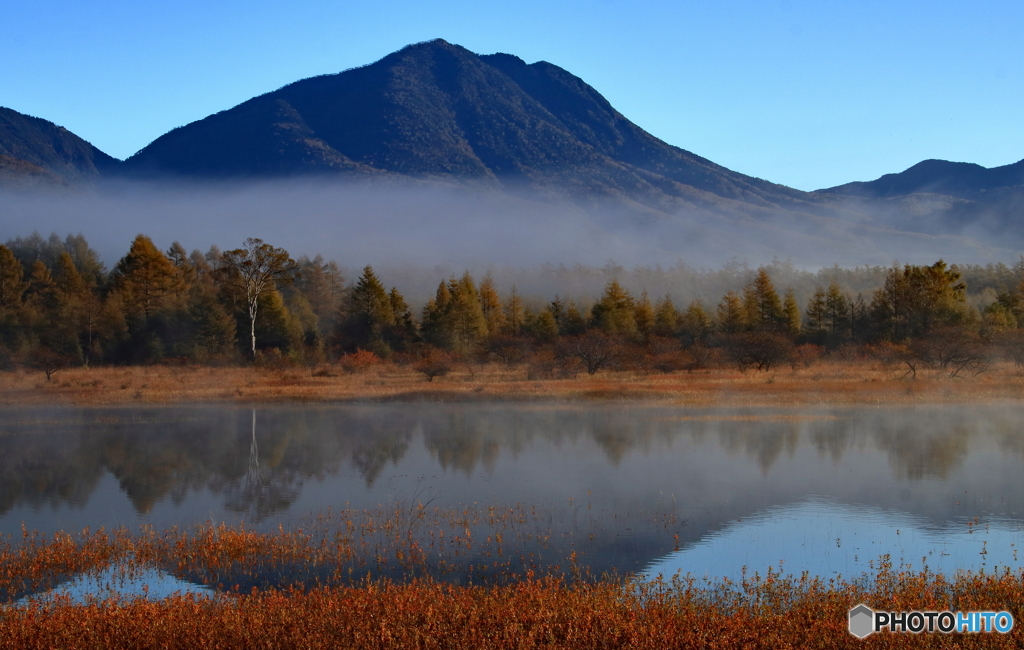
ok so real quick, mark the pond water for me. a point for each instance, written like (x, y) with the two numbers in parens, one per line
(629, 487)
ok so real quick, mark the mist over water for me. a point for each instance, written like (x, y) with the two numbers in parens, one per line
(409, 227)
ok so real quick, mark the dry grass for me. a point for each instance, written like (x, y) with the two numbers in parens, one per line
(858, 382)
(532, 611)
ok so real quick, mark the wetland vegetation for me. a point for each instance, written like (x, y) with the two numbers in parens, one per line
(499, 469)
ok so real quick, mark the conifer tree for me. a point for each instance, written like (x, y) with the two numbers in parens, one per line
(146, 278)
(466, 316)
(762, 305)
(490, 304)
(12, 283)
(434, 323)
(731, 314)
(666, 317)
(367, 314)
(695, 324)
(643, 316)
(514, 313)
(573, 324)
(615, 312)
(790, 312)
(837, 312)
(816, 325)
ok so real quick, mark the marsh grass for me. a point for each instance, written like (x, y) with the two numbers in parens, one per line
(328, 586)
(827, 382)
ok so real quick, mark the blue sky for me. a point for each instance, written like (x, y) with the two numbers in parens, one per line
(808, 94)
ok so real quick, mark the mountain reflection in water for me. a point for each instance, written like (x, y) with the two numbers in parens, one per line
(627, 482)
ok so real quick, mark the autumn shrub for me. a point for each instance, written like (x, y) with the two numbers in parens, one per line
(434, 363)
(806, 355)
(358, 361)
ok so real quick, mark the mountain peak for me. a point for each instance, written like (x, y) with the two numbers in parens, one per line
(436, 110)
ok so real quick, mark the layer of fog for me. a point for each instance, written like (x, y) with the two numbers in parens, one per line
(418, 234)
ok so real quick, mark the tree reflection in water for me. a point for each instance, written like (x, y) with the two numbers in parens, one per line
(257, 495)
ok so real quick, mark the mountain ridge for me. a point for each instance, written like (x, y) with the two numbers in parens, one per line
(436, 113)
(38, 144)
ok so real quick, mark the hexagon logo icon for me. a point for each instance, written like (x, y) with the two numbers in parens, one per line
(862, 620)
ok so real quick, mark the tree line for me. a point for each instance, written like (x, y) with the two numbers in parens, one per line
(60, 306)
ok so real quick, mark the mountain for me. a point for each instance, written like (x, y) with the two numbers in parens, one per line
(938, 196)
(957, 179)
(512, 151)
(34, 151)
(438, 111)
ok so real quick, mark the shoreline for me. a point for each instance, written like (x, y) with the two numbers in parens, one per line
(835, 383)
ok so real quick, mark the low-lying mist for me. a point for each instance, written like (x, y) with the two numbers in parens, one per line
(423, 232)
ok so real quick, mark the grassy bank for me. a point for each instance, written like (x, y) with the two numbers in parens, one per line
(830, 382)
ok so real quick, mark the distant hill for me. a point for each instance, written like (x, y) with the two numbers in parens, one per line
(962, 180)
(35, 151)
(438, 111)
(938, 196)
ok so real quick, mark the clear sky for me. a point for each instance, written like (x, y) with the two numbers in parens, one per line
(808, 93)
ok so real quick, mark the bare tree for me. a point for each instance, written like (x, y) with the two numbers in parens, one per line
(254, 270)
(595, 350)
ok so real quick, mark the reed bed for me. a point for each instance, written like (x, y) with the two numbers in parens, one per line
(371, 580)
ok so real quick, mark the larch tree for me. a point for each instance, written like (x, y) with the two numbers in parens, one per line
(643, 316)
(254, 270)
(790, 312)
(12, 284)
(514, 313)
(666, 317)
(146, 277)
(490, 304)
(615, 312)
(731, 313)
(695, 324)
(762, 305)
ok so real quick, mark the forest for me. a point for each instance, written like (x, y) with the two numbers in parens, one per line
(61, 307)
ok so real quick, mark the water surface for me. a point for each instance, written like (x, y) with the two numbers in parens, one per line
(629, 487)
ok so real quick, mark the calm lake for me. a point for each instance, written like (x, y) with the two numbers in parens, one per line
(634, 488)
